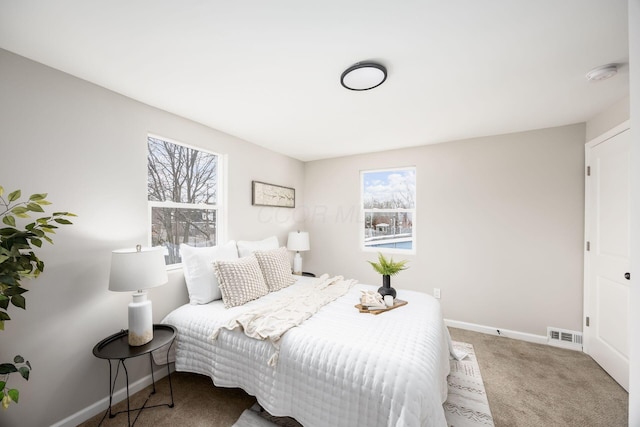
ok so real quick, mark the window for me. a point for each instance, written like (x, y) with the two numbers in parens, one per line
(388, 209)
(183, 188)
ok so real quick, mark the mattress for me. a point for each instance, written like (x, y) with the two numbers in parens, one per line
(339, 368)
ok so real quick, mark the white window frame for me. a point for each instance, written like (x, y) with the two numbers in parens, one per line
(219, 207)
(412, 211)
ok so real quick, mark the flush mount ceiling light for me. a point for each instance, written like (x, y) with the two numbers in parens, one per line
(602, 72)
(363, 76)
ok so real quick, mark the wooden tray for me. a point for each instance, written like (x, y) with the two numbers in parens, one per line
(396, 303)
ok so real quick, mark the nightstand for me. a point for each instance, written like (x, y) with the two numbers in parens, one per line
(116, 347)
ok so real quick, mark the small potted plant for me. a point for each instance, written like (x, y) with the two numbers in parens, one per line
(387, 268)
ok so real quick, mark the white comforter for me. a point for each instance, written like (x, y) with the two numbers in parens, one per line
(339, 368)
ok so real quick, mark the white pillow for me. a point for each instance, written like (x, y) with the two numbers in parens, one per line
(246, 248)
(197, 264)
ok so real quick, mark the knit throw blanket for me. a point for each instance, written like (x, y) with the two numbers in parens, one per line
(271, 321)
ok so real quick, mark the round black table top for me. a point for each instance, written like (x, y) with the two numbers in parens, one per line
(117, 345)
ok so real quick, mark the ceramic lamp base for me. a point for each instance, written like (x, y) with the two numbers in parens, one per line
(140, 320)
(297, 263)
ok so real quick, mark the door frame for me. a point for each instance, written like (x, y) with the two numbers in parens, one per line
(626, 125)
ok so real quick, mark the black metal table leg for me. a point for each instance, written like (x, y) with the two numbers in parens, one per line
(116, 347)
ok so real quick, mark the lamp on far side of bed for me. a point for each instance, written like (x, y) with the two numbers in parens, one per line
(298, 241)
(136, 269)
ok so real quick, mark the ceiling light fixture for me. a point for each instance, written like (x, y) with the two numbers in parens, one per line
(363, 76)
(602, 72)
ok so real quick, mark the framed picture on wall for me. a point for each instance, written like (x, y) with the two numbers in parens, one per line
(263, 194)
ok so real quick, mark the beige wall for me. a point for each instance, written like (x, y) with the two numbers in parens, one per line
(86, 147)
(499, 226)
(608, 119)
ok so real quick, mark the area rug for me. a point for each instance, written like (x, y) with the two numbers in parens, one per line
(466, 404)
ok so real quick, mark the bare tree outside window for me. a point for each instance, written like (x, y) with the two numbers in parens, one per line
(388, 207)
(182, 187)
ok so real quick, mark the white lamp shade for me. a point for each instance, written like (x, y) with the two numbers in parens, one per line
(298, 241)
(133, 270)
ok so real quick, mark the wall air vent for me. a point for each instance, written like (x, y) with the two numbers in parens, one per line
(564, 338)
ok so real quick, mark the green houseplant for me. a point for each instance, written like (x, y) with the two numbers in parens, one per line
(19, 262)
(387, 268)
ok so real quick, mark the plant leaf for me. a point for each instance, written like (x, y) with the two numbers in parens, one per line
(19, 301)
(15, 195)
(14, 290)
(19, 210)
(61, 221)
(388, 267)
(7, 368)
(9, 220)
(1, 190)
(14, 394)
(36, 242)
(38, 196)
(24, 372)
(34, 207)
(18, 359)
(2, 385)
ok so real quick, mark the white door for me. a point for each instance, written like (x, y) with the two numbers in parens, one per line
(607, 261)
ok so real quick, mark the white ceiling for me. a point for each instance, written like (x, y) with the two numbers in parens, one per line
(269, 71)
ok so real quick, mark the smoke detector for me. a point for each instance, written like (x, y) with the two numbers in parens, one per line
(602, 72)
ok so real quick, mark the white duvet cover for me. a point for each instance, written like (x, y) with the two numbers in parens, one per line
(339, 368)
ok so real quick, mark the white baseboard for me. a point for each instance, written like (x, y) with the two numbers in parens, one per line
(523, 336)
(101, 406)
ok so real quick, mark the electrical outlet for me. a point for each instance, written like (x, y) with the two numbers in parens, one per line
(436, 293)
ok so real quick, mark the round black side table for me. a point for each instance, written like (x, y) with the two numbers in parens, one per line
(116, 347)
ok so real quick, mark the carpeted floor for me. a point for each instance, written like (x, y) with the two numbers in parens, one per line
(527, 385)
(538, 385)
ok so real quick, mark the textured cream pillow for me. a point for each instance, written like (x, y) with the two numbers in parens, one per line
(276, 268)
(240, 281)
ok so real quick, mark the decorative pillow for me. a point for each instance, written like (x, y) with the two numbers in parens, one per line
(240, 281)
(197, 264)
(276, 268)
(246, 248)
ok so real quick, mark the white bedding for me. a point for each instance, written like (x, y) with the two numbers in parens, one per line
(339, 368)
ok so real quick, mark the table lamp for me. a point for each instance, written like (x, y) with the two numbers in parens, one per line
(298, 241)
(136, 269)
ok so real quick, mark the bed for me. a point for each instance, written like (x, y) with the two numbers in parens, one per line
(339, 367)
